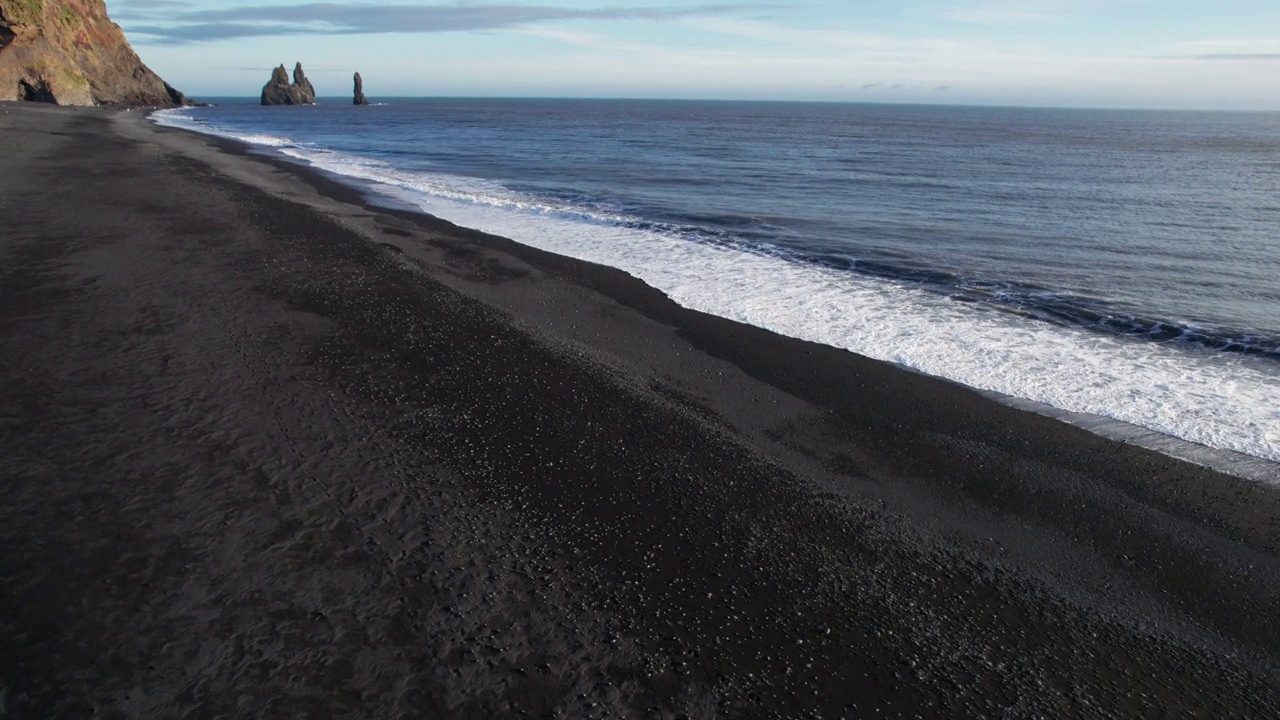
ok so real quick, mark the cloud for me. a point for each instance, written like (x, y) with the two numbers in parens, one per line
(206, 31)
(654, 52)
(1012, 13)
(349, 18)
(147, 5)
(1232, 50)
(997, 13)
(1233, 56)
(870, 44)
(311, 70)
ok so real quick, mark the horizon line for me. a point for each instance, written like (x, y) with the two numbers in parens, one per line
(561, 98)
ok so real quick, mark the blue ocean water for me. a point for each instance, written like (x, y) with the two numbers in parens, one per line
(1120, 264)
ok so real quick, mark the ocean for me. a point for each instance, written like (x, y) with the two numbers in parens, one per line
(1117, 269)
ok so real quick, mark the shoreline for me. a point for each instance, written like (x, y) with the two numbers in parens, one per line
(1240, 465)
(1152, 433)
(318, 405)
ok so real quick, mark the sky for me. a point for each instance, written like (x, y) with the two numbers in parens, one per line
(1195, 54)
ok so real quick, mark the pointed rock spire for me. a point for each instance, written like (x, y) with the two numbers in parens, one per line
(359, 98)
(279, 91)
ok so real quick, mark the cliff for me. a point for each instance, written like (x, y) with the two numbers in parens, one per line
(278, 90)
(70, 53)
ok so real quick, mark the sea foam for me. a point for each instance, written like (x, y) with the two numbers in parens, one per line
(179, 118)
(1221, 401)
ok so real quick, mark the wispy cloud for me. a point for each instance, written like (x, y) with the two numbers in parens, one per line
(1011, 13)
(144, 5)
(1234, 50)
(356, 18)
(654, 52)
(1232, 56)
(835, 42)
(998, 13)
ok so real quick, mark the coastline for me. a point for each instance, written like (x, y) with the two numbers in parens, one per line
(326, 408)
(1085, 358)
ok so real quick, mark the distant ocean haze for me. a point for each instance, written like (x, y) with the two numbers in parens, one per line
(1124, 265)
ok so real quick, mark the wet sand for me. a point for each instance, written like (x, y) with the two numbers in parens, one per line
(270, 451)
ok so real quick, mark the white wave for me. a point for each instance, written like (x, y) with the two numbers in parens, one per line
(170, 115)
(454, 187)
(181, 118)
(1218, 400)
(267, 140)
(1225, 402)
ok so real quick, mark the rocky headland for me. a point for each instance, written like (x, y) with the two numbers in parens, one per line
(68, 52)
(279, 91)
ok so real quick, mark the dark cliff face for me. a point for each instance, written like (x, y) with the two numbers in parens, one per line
(70, 53)
(359, 98)
(300, 79)
(279, 91)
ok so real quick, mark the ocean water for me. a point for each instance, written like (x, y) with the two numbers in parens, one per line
(1119, 268)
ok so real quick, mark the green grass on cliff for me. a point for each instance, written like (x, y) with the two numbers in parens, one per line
(25, 12)
(31, 12)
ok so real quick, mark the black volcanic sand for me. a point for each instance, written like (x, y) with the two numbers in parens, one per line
(269, 451)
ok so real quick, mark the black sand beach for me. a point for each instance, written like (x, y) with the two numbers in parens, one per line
(269, 451)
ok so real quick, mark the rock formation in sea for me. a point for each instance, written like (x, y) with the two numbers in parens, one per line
(359, 98)
(69, 52)
(279, 91)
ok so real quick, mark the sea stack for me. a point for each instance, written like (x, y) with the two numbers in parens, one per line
(359, 98)
(279, 91)
(68, 52)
